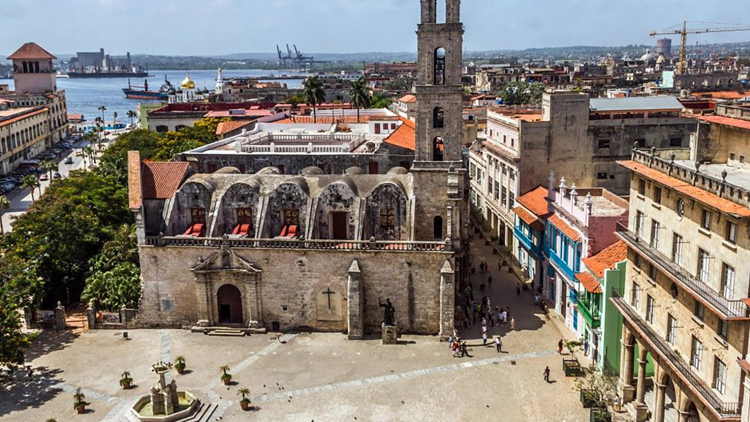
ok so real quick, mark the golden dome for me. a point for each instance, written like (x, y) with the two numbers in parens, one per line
(188, 83)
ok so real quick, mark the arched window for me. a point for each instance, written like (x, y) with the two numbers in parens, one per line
(162, 129)
(25, 67)
(437, 118)
(439, 66)
(438, 149)
(437, 227)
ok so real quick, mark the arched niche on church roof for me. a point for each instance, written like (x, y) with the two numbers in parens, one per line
(269, 171)
(386, 212)
(288, 205)
(192, 203)
(337, 210)
(238, 206)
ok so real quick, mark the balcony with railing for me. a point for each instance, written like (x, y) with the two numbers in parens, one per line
(589, 311)
(526, 242)
(659, 347)
(725, 308)
(346, 245)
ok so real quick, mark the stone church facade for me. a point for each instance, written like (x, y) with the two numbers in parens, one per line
(316, 251)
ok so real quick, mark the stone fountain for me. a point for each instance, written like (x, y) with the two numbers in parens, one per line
(165, 403)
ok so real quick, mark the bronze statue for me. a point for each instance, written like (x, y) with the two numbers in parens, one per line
(389, 312)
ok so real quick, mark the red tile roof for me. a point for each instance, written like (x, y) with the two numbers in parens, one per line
(700, 195)
(722, 95)
(607, 258)
(408, 99)
(22, 117)
(535, 201)
(589, 282)
(405, 136)
(31, 50)
(326, 119)
(726, 121)
(161, 180)
(135, 197)
(564, 228)
(528, 218)
(226, 127)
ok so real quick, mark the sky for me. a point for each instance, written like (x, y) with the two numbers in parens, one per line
(217, 27)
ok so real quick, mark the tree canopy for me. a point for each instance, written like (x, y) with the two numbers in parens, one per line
(518, 93)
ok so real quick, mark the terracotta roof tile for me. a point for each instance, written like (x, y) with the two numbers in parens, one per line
(408, 99)
(135, 197)
(31, 50)
(607, 258)
(405, 136)
(161, 180)
(589, 282)
(726, 121)
(535, 201)
(528, 218)
(564, 228)
(700, 195)
(325, 120)
(22, 117)
(226, 127)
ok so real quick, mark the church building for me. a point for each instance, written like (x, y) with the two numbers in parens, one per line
(314, 250)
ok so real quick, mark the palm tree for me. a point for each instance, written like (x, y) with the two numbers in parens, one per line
(114, 118)
(30, 182)
(360, 94)
(132, 115)
(49, 167)
(314, 94)
(89, 152)
(102, 109)
(4, 205)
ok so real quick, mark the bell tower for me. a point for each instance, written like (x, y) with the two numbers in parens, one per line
(439, 90)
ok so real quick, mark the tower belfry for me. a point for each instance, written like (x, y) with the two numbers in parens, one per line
(439, 90)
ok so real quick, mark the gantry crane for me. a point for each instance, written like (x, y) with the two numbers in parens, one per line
(682, 67)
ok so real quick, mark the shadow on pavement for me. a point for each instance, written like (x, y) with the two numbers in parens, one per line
(21, 393)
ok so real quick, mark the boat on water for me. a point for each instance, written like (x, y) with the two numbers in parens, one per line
(133, 92)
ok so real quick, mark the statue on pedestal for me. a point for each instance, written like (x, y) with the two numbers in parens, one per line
(389, 312)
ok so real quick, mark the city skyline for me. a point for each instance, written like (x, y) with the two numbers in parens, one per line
(172, 27)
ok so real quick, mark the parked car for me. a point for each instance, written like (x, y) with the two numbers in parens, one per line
(57, 175)
(44, 177)
(69, 160)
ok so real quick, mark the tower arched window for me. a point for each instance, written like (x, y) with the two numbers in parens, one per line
(438, 149)
(25, 67)
(437, 227)
(439, 66)
(437, 118)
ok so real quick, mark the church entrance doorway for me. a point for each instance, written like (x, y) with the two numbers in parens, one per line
(230, 305)
(340, 223)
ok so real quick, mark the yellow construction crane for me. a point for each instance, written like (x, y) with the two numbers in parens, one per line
(684, 33)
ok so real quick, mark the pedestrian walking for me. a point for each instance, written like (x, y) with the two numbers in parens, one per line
(484, 322)
(29, 371)
(513, 323)
(464, 352)
(559, 346)
(586, 347)
(518, 289)
(499, 265)
(489, 282)
(484, 339)
(450, 342)
(546, 374)
(498, 344)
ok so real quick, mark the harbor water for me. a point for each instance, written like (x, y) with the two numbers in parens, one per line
(85, 96)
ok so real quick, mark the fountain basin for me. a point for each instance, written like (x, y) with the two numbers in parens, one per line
(188, 406)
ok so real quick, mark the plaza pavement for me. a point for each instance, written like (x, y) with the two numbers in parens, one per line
(313, 376)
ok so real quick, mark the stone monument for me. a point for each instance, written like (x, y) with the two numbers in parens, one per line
(390, 334)
(164, 403)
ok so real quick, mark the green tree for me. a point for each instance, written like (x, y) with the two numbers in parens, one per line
(378, 101)
(360, 94)
(295, 99)
(314, 94)
(102, 109)
(50, 167)
(132, 115)
(518, 93)
(19, 285)
(114, 117)
(30, 182)
(4, 205)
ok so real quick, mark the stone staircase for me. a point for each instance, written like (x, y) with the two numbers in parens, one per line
(228, 332)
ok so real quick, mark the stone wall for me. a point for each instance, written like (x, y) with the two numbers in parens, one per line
(293, 284)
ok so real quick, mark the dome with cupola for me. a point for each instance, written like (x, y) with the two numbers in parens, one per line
(188, 83)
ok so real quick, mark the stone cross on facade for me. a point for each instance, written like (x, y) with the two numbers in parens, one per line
(328, 293)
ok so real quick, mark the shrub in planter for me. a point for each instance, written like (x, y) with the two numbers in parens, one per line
(79, 401)
(180, 365)
(245, 402)
(587, 399)
(226, 377)
(600, 415)
(125, 380)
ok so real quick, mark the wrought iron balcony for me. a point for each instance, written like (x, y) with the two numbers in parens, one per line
(657, 345)
(726, 309)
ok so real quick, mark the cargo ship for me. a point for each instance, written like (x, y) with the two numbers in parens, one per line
(133, 92)
(94, 75)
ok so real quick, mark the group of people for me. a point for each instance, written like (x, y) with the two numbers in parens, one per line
(482, 311)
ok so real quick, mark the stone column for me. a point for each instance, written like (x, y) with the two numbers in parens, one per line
(659, 402)
(640, 402)
(203, 298)
(355, 302)
(91, 316)
(447, 301)
(59, 317)
(626, 373)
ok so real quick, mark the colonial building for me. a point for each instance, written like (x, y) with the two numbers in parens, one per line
(316, 250)
(684, 304)
(34, 116)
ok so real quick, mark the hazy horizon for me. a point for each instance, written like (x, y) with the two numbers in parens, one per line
(224, 27)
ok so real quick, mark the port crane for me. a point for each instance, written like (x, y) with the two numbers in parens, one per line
(683, 33)
(282, 58)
